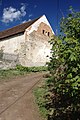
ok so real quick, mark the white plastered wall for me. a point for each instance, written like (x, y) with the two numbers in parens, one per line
(12, 45)
(37, 48)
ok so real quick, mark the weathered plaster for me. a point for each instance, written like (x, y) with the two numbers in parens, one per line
(28, 49)
(37, 46)
(11, 46)
(35, 26)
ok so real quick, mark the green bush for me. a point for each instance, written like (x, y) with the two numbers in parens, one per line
(64, 85)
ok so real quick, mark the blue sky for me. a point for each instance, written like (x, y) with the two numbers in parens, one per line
(14, 12)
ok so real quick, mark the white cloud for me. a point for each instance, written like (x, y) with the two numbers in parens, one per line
(23, 7)
(30, 15)
(10, 14)
(29, 20)
(24, 21)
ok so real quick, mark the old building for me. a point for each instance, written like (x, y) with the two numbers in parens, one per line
(26, 44)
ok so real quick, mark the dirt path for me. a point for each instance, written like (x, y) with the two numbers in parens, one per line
(16, 99)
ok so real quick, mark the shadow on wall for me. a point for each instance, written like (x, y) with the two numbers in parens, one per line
(1, 53)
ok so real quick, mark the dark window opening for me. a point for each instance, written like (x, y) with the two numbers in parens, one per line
(48, 33)
(43, 31)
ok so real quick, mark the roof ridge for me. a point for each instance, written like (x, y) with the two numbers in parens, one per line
(17, 29)
(21, 24)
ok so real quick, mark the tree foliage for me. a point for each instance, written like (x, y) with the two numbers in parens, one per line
(64, 83)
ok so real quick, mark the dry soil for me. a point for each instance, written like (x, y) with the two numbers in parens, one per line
(17, 101)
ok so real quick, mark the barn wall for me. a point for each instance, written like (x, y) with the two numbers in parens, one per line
(9, 50)
(28, 49)
(37, 47)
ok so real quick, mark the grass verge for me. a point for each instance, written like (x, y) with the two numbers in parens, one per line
(39, 93)
(20, 70)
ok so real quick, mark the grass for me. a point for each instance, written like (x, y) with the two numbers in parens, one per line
(5, 74)
(31, 69)
(20, 70)
(39, 93)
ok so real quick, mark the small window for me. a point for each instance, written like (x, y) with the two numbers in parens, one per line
(48, 33)
(43, 31)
